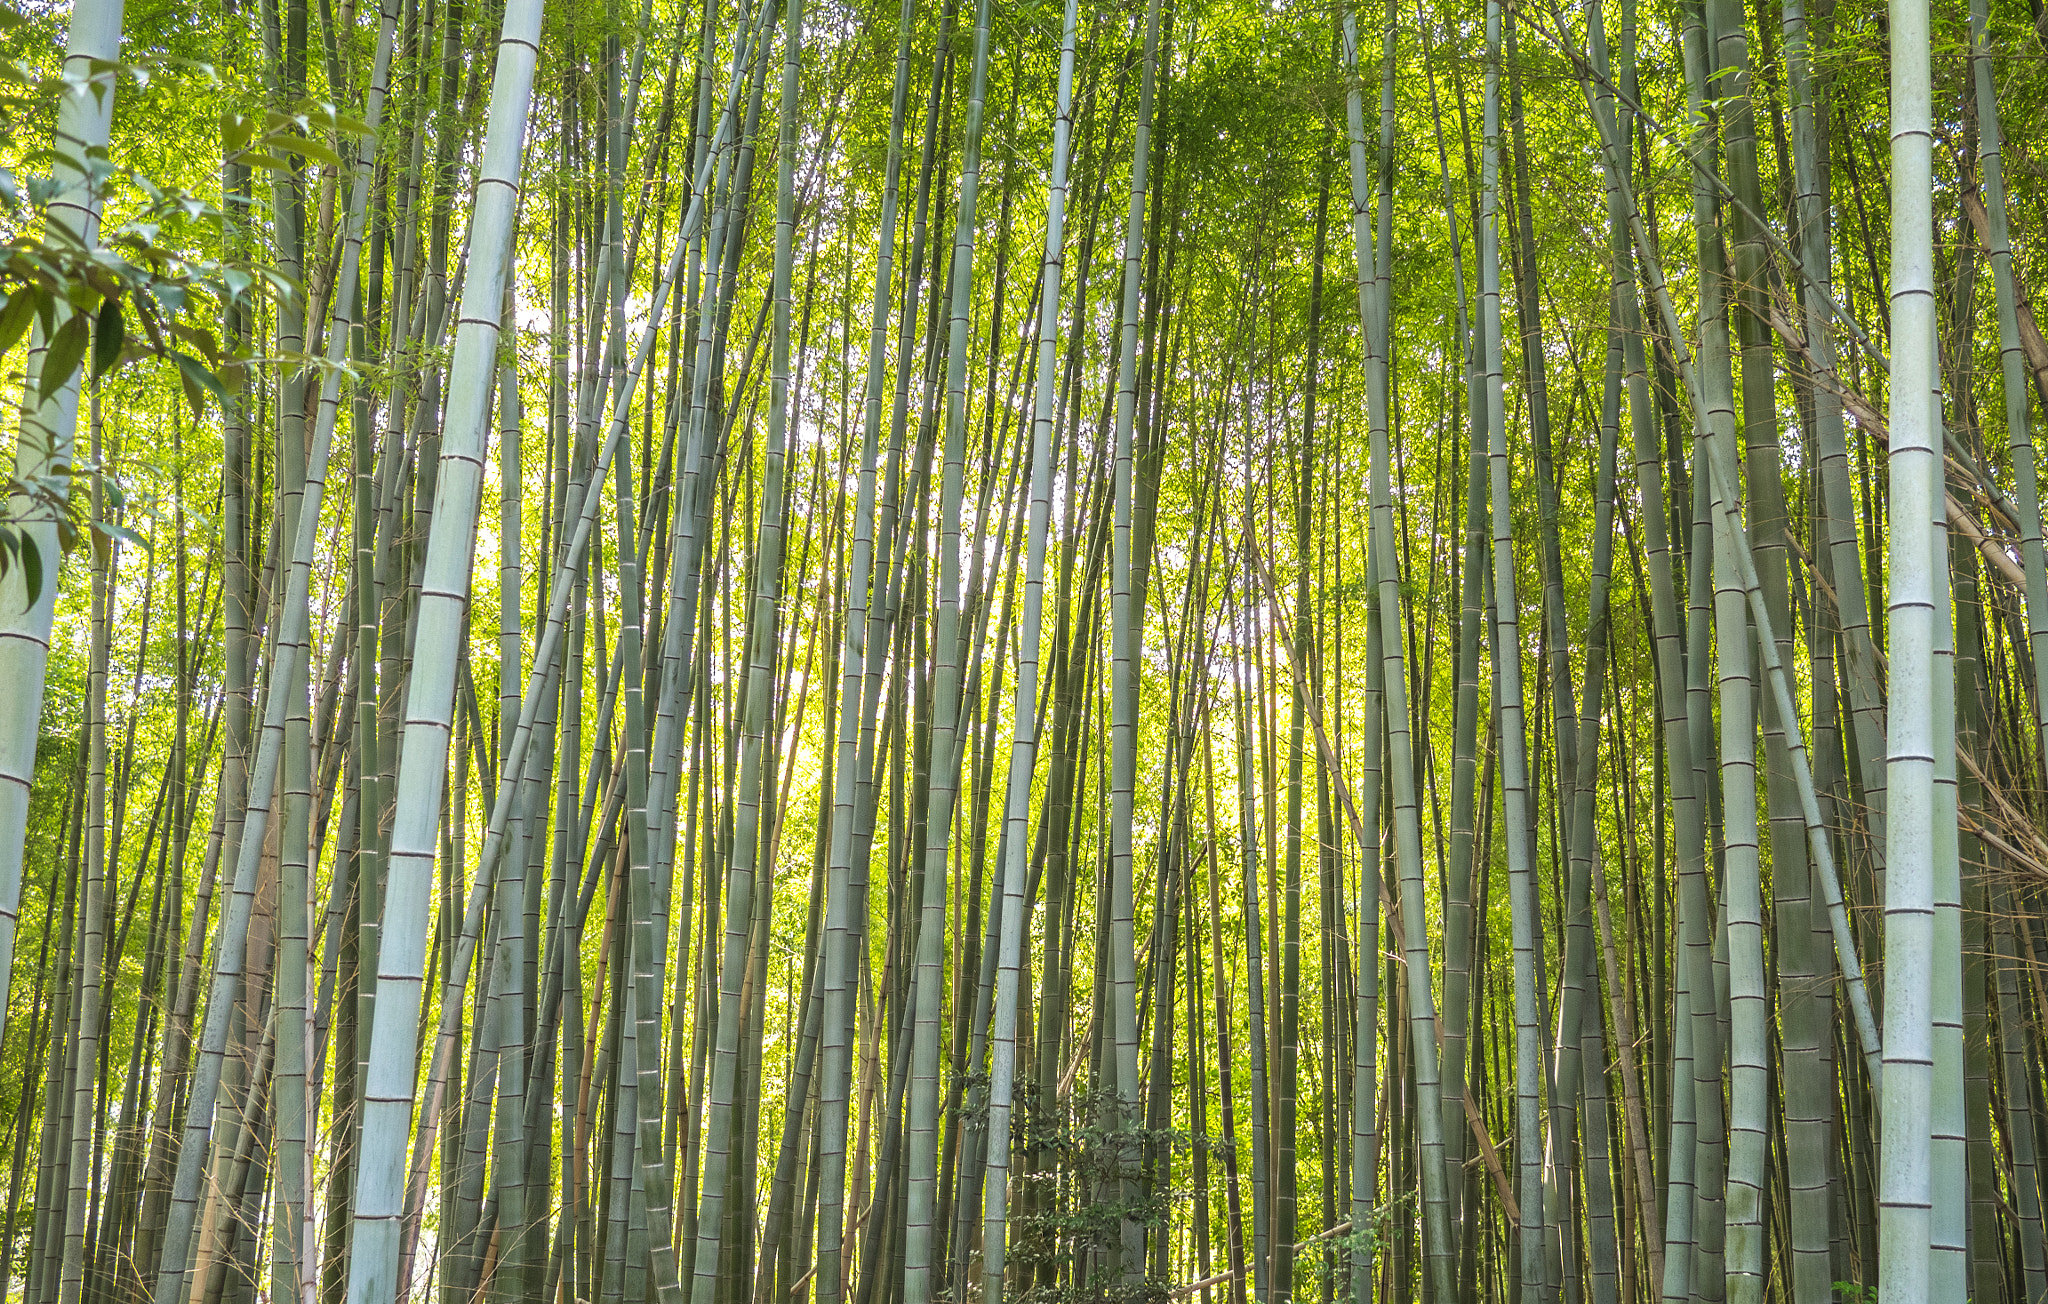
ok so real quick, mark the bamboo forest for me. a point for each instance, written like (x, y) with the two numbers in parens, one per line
(915, 651)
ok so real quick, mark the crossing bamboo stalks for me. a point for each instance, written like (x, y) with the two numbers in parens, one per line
(979, 741)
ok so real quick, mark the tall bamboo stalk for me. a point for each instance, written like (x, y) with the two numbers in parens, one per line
(85, 116)
(1912, 963)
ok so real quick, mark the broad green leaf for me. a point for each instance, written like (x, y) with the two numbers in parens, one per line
(107, 336)
(15, 317)
(61, 359)
(198, 382)
(31, 567)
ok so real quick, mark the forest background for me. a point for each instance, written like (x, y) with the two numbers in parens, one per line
(1189, 650)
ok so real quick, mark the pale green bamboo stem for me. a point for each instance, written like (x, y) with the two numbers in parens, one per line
(1905, 1190)
(1126, 644)
(845, 910)
(292, 647)
(1374, 262)
(1518, 806)
(946, 751)
(1024, 744)
(391, 1083)
(84, 117)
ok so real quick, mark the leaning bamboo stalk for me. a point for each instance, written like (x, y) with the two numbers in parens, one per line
(46, 1234)
(1660, 295)
(652, 1181)
(1248, 699)
(686, 545)
(1862, 674)
(85, 115)
(845, 903)
(444, 592)
(762, 654)
(1374, 260)
(1581, 1062)
(289, 1253)
(2019, 439)
(291, 651)
(2020, 1092)
(946, 751)
(1126, 642)
(1530, 1240)
(515, 794)
(1728, 1146)
(1457, 906)
(1627, 309)
(2012, 363)
(1818, 841)
(91, 988)
(1742, 893)
(1024, 745)
(648, 938)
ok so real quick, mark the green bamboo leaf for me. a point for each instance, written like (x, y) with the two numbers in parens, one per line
(308, 147)
(61, 359)
(15, 317)
(198, 382)
(107, 336)
(31, 559)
